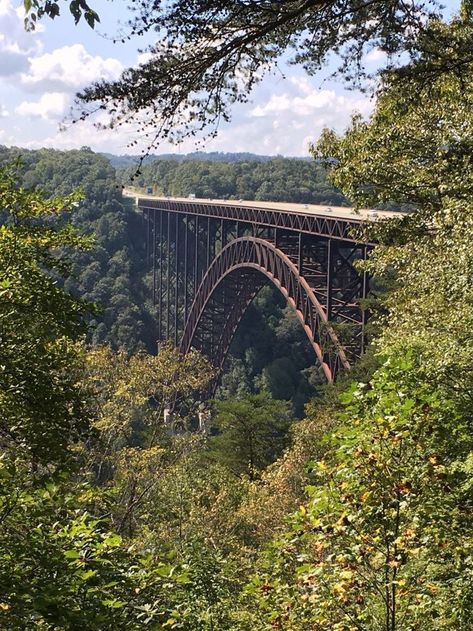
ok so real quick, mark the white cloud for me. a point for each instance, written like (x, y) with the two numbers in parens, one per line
(8, 137)
(277, 103)
(289, 121)
(74, 136)
(51, 106)
(3, 112)
(16, 45)
(144, 57)
(289, 115)
(12, 59)
(311, 103)
(302, 84)
(285, 115)
(67, 69)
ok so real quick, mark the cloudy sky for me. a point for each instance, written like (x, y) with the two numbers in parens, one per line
(40, 72)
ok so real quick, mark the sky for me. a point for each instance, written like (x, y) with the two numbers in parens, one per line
(41, 71)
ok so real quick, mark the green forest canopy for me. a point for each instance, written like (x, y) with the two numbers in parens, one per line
(275, 179)
(270, 349)
(365, 523)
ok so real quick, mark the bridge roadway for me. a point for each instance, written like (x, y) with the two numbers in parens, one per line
(339, 212)
(211, 257)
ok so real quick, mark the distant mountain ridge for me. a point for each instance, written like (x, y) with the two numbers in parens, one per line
(127, 160)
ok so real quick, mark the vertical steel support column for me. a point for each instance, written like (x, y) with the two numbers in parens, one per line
(176, 289)
(168, 281)
(160, 290)
(300, 253)
(154, 255)
(196, 256)
(208, 243)
(210, 256)
(186, 246)
(328, 305)
(148, 237)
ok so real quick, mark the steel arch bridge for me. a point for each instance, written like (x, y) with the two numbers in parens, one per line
(210, 259)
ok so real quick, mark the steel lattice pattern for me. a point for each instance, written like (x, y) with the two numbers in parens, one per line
(208, 267)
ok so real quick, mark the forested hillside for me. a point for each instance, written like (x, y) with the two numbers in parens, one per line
(113, 272)
(270, 350)
(128, 160)
(276, 179)
(127, 500)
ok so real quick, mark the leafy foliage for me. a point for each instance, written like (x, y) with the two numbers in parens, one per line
(128, 160)
(37, 9)
(56, 560)
(209, 55)
(418, 149)
(384, 539)
(113, 272)
(270, 352)
(131, 396)
(275, 179)
(62, 566)
(41, 409)
(251, 432)
(388, 519)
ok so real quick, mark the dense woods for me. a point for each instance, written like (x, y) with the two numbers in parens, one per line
(117, 515)
(280, 179)
(270, 350)
(112, 272)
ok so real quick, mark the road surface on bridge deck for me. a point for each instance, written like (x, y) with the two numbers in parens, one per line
(339, 212)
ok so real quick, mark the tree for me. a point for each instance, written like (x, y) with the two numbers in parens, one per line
(113, 273)
(289, 180)
(380, 542)
(209, 54)
(416, 149)
(36, 9)
(130, 395)
(252, 432)
(384, 540)
(42, 411)
(61, 568)
(61, 565)
(193, 511)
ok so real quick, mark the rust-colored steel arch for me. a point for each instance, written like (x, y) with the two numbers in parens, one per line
(252, 253)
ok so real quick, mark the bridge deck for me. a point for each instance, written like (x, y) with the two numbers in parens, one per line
(340, 212)
(327, 221)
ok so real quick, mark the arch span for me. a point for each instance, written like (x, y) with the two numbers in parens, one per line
(232, 281)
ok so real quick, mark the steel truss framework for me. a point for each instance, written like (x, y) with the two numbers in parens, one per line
(208, 267)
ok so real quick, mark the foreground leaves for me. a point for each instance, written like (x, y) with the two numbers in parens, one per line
(385, 540)
(42, 410)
